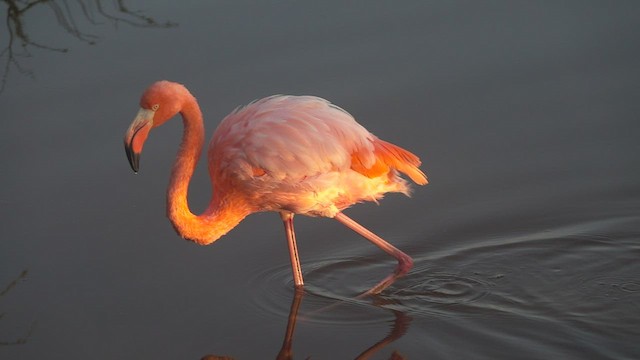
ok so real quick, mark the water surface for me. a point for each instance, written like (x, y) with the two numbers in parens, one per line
(526, 242)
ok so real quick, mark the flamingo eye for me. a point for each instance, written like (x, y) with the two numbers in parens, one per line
(155, 107)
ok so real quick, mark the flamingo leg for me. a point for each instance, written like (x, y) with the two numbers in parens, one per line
(287, 218)
(405, 263)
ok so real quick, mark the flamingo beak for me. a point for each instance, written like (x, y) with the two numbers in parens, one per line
(134, 159)
(136, 135)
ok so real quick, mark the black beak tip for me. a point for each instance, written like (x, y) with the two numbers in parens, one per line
(134, 159)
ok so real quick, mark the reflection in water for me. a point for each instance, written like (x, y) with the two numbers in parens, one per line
(285, 351)
(400, 327)
(216, 357)
(554, 283)
(4, 292)
(19, 43)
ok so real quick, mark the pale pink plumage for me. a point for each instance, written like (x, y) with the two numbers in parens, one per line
(290, 154)
(304, 145)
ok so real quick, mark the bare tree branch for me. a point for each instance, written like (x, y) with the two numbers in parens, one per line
(4, 292)
(19, 42)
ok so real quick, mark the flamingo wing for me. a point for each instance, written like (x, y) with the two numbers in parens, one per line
(287, 145)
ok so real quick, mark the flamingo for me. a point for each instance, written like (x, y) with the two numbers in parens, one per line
(289, 154)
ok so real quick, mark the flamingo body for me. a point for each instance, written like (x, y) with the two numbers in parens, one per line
(296, 153)
(290, 154)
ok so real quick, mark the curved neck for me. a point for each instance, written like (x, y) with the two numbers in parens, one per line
(225, 210)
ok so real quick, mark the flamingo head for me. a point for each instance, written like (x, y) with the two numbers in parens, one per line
(159, 103)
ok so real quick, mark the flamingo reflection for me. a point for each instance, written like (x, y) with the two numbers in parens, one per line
(399, 328)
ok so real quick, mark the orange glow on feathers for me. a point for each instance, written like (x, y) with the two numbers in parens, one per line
(389, 156)
(289, 154)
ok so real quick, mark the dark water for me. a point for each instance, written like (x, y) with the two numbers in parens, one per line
(527, 240)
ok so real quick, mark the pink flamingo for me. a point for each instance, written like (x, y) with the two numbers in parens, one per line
(290, 154)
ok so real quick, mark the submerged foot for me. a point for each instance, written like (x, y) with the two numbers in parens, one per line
(405, 263)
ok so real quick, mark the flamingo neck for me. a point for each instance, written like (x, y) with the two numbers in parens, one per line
(225, 210)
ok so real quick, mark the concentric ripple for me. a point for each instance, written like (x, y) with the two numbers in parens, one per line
(555, 274)
(610, 287)
(444, 289)
(334, 286)
(273, 290)
(331, 290)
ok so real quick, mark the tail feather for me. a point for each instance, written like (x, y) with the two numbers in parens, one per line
(400, 159)
(390, 156)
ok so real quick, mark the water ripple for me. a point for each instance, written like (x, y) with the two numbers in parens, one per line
(554, 274)
(443, 289)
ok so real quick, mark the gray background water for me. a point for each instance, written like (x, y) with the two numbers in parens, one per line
(526, 240)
